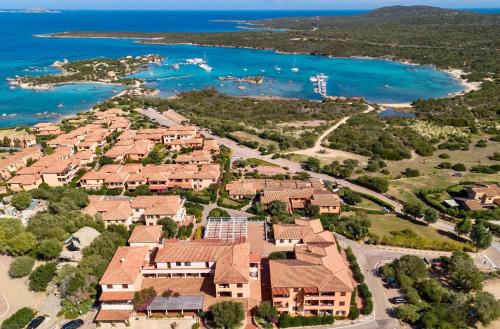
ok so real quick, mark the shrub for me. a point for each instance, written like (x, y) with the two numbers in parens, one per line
(459, 167)
(143, 298)
(277, 255)
(377, 184)
(21, 200)
(409, 172)
(21, 266)
(217, 212)
(20, 319)
(286, 321)
(49, 249)
(41, 277)
(444, 156)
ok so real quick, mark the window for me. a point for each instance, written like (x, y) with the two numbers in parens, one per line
(341, 303)
(282, 241)
(187, 264)
(125, 286)
(109, 286)
(240, 295)
(295, 289)
(178, 264)
(239, 285)
(289, 241)
(342, 293)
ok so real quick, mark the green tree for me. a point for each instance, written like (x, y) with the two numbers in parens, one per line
(277, 208)
(464, 226)
(8, 228)
(169, 227)
(21, 266)
(481, 236)
(267, 312)
(413, 209)
(218, 212)
(351, 198)
(431, 215)
(21, 243)
(228, 314)
(49, 249)
(20, 319)
(21, 200)
(143, 298)
(411, 266)
(408, 313)
(431, 290)
(486, 307)
(464, 275)
(42, 275)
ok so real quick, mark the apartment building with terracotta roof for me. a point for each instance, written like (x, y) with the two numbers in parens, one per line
(149, 236)
(47, 129)
(14, 138)
(61, 172)
(302, 231)
(316, 281)
(195, 157)
(227, 265)
(250, 187)
(145, 209)
(300, 198)
(18, 160)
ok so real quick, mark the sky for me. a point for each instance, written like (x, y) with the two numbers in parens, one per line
(238, 4)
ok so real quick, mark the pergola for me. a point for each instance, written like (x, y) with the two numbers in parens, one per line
(188, 303)
(226, 228)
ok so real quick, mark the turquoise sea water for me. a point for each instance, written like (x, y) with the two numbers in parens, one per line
(376, 80)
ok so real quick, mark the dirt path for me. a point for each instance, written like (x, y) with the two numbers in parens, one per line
(319, 150)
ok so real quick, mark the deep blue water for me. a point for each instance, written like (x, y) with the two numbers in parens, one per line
(376, 80)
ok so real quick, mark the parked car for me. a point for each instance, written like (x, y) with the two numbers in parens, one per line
(73, 324)
(36, 322)
(398, 300)
(392, 283)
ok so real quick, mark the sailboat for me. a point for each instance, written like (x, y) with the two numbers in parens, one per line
(294, 68)
(204, 64)
(277, 67)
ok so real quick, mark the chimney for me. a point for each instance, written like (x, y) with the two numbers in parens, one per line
(122, 260)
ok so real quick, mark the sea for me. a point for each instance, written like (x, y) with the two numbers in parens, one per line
(21, 53)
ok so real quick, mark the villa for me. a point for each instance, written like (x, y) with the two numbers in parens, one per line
(482, 196)
(19, 160)
(250, 187)
(303, 231)
(300, 198)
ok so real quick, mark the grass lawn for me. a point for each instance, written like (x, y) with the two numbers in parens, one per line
(368, 204)
(259, 162)
(230, 203)
(249, 137)
(383, 224)
(405, 188)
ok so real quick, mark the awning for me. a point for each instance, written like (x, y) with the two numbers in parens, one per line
(116, 295)
(113, 315)
(311, 290)
(179, 303)
(280, 291)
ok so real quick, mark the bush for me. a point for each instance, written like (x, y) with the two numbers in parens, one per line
(377, 184)
(217, 212)
(21, 200)
(286, 321)
(444, 156)
(277, 255)
(41, 277)
(459, 167)
(20, 319)
(409, 172)
(49, 249)
(21, 266)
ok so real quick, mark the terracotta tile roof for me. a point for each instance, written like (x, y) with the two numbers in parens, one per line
(146, 234)
(125, 266)
(195, 156)
(490, 190)
(149, 201)
(325, 200)
(113, 315)
(232, 259)
(110, 208)
(30, 170)
(24, 179)
(58, 167)
(116, 296)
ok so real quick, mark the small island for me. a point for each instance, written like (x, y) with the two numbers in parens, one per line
(255, 80)
(98, 70)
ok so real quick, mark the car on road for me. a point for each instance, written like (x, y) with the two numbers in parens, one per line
(398, 300)
(73, 324)
(36, 322)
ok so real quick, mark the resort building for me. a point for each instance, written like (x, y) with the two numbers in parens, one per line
(18, 160)
(250, 187)
(300, 198)
(303, 231)
(146, 236)
(316, 281)
(18, 139)
(60, 173)
(195, 157)
(47, 129)
(227, 264)
(150, 209)
(145, 209)
(24, 182)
